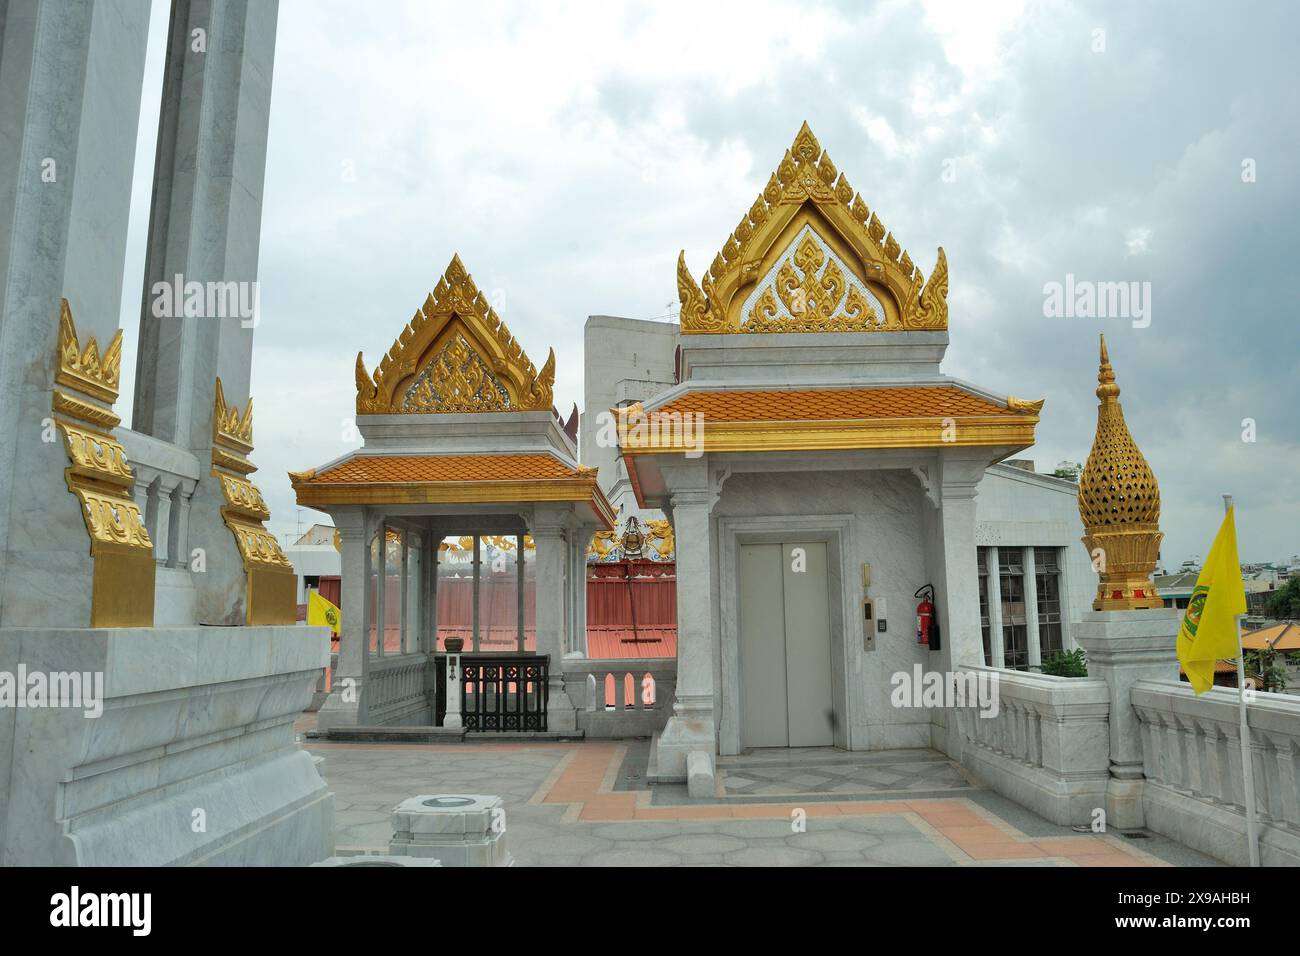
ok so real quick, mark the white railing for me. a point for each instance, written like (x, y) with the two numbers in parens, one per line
(621, 698)
(397, 691)
(1039, 740)
(165, 478)
(1191, 752)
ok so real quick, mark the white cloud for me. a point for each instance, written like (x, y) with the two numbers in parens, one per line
(568, 151)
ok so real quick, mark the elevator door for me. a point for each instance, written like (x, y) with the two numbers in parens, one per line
(785, 645)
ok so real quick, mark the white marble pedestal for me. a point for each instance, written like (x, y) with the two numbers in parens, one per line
(458, 829)
(1125, 647)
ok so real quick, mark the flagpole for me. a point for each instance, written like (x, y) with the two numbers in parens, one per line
(1247, 762)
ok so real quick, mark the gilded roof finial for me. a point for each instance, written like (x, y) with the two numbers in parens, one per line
(1107, 390)
(1119, 504)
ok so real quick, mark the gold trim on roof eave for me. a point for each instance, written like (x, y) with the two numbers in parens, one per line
(849, 434)
(455, 492)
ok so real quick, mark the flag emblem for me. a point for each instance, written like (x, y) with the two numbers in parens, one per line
(1195, 607)
(321, 610)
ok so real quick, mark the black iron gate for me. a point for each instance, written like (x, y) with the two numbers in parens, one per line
(500, 693)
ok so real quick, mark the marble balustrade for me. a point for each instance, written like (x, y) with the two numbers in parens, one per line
(1191, 750)
(166, 476)
(1045, 745)
(401, 691)
(588, 685)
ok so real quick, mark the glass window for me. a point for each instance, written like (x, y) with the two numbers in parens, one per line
(456, 591)
(498, 595)
(1015, 631)
(1047, 570)
(414, 597)
(392, 592)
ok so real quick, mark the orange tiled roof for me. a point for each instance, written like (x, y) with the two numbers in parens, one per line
(941, 401)
(1220, 667)
(368, 469)
(1278, 637)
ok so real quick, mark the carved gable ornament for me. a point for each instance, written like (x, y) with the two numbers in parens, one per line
(810, 256)
(455, 355)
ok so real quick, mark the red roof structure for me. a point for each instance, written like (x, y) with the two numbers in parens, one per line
(631, 610)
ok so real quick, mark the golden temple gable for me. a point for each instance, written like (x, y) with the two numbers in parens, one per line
(811, 256)
(455, 355)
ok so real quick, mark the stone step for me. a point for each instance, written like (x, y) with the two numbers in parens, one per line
(534, 736)
(415, 735)
(441, 735)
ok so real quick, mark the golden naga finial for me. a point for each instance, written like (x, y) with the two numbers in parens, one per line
(86, 370)
(1119, 504)
(228, 428)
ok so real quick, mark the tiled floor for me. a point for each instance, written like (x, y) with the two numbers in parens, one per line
(587, 804)
(807, 771)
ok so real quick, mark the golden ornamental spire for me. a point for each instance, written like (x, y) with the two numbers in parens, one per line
(1119, 504)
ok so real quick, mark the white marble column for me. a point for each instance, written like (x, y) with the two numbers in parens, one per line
(552, 558)
(341, 708)
(688, 743)
(1032, 637)
(581, 536)
(997, 646)
(956, 585)
(205, 227)
(959, 612)
(70, 81)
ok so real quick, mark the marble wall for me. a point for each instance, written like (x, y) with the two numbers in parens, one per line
(192, 760)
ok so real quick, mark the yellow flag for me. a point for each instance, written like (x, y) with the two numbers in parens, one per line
(1209, 631)
(321, 611)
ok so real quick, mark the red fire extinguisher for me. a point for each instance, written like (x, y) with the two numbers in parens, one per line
(927, 625)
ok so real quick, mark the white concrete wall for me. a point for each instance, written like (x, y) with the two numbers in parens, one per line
(623, 360)
(313, 559)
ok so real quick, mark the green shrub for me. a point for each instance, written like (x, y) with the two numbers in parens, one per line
(1066, 664)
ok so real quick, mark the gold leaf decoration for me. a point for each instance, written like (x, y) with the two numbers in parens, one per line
(807, 183)
(101, 479)
(816, 296)
(406, 380)
(931, 310)
(229, 428)
(84, 369)
(457, 380)
(268, 572)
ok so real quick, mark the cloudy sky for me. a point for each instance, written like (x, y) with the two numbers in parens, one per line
(568, 151)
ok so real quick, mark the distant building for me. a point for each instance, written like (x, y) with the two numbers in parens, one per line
(316, 560)
(1176, 589)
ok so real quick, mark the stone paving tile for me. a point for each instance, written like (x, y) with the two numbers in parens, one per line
(587, 804)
